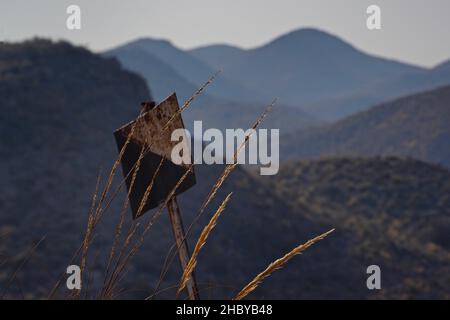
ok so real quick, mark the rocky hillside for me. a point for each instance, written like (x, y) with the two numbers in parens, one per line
(394, 213)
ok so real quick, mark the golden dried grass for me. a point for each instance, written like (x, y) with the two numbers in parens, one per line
(100, 204)
(200, 243)
(277, 264)
(212, 193)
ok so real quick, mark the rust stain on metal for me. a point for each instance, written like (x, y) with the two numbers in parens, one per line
(149, 127)
(149, 134)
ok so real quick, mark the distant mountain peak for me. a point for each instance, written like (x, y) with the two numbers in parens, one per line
(153, 42)
(308, 32)
(223, 46)
(308, 37)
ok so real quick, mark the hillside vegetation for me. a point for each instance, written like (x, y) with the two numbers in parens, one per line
(395, 211)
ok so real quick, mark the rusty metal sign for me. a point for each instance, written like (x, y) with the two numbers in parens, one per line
(148, 133)
(152, 133)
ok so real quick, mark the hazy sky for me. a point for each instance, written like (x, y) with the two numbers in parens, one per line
(416, 31)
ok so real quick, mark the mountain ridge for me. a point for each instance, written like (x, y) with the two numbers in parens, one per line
(214, 111)
(309, 68)
(189, 67)
(416, 125)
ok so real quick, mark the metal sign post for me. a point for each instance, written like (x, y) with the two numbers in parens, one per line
(152, 133)
(183, 251)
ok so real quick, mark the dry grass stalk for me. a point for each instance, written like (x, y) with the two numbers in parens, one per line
(28, 255)
(139, 212)
(122, 213)
(135, 167)
(229, 168)
(277, 264)
(200, 243)
(100, 210)
(122, 263)
(89, 230)
(166, 126)
(187, 103)
(63, 274)
(134, 227)
(95, 217)
(227, 171)
(149, 189)
(192, 98)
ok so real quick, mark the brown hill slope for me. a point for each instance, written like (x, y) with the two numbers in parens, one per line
(395, 211)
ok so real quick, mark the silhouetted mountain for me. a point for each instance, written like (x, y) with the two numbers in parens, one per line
(307, 69)
(188, 67)
(162, 77)
(408, 83)
(306, 66)
(214, 112)
(218, 56)
(416, 81)
(416, 126)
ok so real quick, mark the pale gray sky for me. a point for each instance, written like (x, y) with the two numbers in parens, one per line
(416, 31)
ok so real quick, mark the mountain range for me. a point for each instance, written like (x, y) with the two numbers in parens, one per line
(307, 66)
(406, 84)
(415, 126)
(60, 105)
(307, 69)
(224, 105)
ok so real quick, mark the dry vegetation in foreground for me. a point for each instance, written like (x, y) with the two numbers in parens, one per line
(126, 244)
